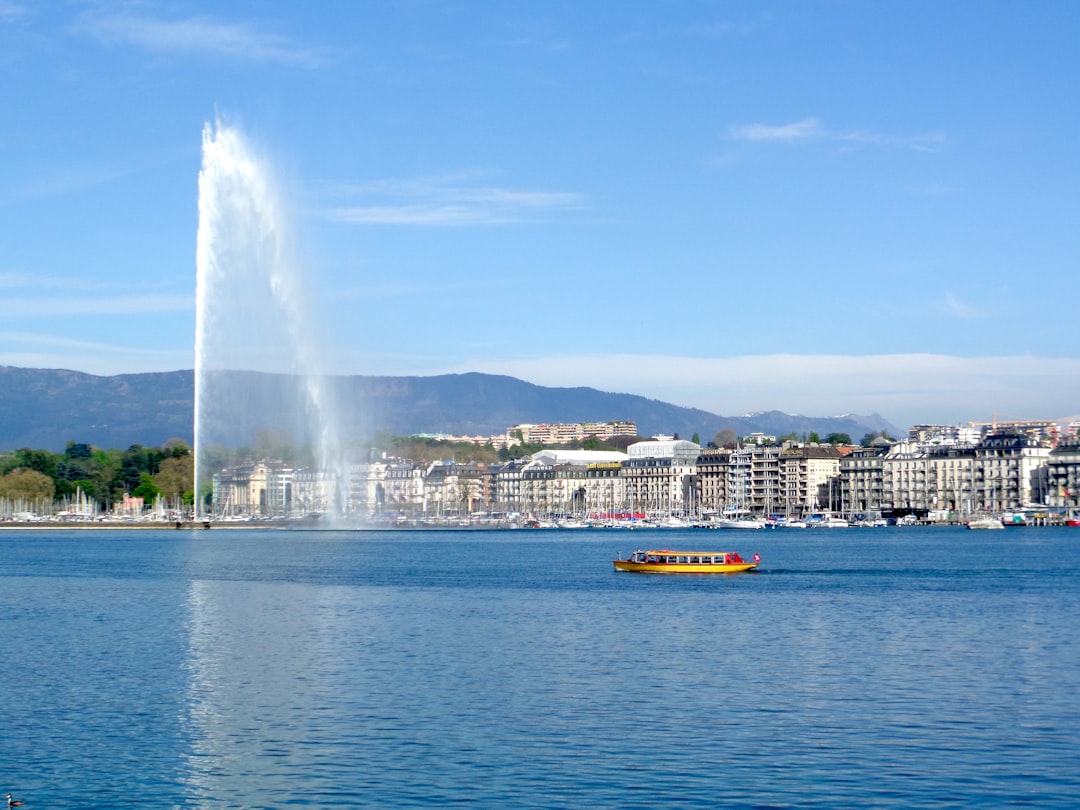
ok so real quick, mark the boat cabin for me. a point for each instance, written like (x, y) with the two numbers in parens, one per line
(701, 558)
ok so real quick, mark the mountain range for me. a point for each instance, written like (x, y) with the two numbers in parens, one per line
(46, 408)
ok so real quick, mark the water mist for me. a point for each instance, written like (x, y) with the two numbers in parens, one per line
(257, 359)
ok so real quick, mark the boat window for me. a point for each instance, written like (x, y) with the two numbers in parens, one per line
(683, 558)
(694, 560)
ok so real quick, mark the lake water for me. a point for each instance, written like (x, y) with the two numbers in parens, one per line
(901, 667)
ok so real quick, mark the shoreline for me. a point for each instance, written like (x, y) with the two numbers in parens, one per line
(277, 525)
(98, 525)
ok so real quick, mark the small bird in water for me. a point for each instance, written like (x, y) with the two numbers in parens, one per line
(13, 802)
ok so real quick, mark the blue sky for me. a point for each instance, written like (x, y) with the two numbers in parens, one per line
(819, 207)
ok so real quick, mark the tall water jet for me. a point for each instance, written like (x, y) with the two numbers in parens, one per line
(258, 368)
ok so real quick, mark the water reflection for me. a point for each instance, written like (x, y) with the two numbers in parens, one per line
(275, 673)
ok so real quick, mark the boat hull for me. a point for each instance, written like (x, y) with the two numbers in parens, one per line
(684, 568)
(740, 525)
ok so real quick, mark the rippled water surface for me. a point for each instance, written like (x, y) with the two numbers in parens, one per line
(244, 668)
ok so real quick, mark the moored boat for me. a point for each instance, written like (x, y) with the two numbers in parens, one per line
(571, 523)
(740, 523)
(666, 561)
(985, 522)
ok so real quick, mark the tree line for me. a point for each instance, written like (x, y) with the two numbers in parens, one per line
(104, 476)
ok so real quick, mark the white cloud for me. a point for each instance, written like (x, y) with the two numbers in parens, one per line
(930, 142)
(58, 180)
(798, 131)
(417, 215)
(199, 35)
(446, 202)
(952, 305)
(812, 129)
(407, 288)
(16, 307)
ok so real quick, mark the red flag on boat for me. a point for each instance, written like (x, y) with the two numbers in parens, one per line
(757, 557)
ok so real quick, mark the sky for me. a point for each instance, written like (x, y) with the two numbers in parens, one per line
(813, 207)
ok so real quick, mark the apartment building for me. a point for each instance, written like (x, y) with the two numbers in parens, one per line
(564, 433)
(453, 489)
(712, 479)
(1063, 476)
(403, 488)
(1006, 474)
(809, 478)
(261, 489)
(605, 493)
(660, 476)
(861, 479)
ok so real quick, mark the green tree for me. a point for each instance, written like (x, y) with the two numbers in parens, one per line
(838, 438)
(868, 439)
(41, 461)
(146, 489)
(26, 484)
(62, 488)
(78, 451)
(176, 476)
(695, 438)
(725, 438)
(137, 461)
(90, 488)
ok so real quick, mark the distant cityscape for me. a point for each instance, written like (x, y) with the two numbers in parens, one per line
(1026, 472)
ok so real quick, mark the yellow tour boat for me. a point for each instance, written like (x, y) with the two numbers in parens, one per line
(686, 562)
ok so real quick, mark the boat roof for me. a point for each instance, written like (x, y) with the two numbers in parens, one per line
(670, 551)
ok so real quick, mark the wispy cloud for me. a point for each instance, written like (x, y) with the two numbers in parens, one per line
(406, 288)
(445, 202)
(58, 180)
(929, 142)
(781, 133)
(810, 129)
(30, 281)
(39, 350)
(724, 29)
(419, 215)
(11, 12)
(39, 339)
(199, 34)
(952, 305)
(930, 189)
(14, 307)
